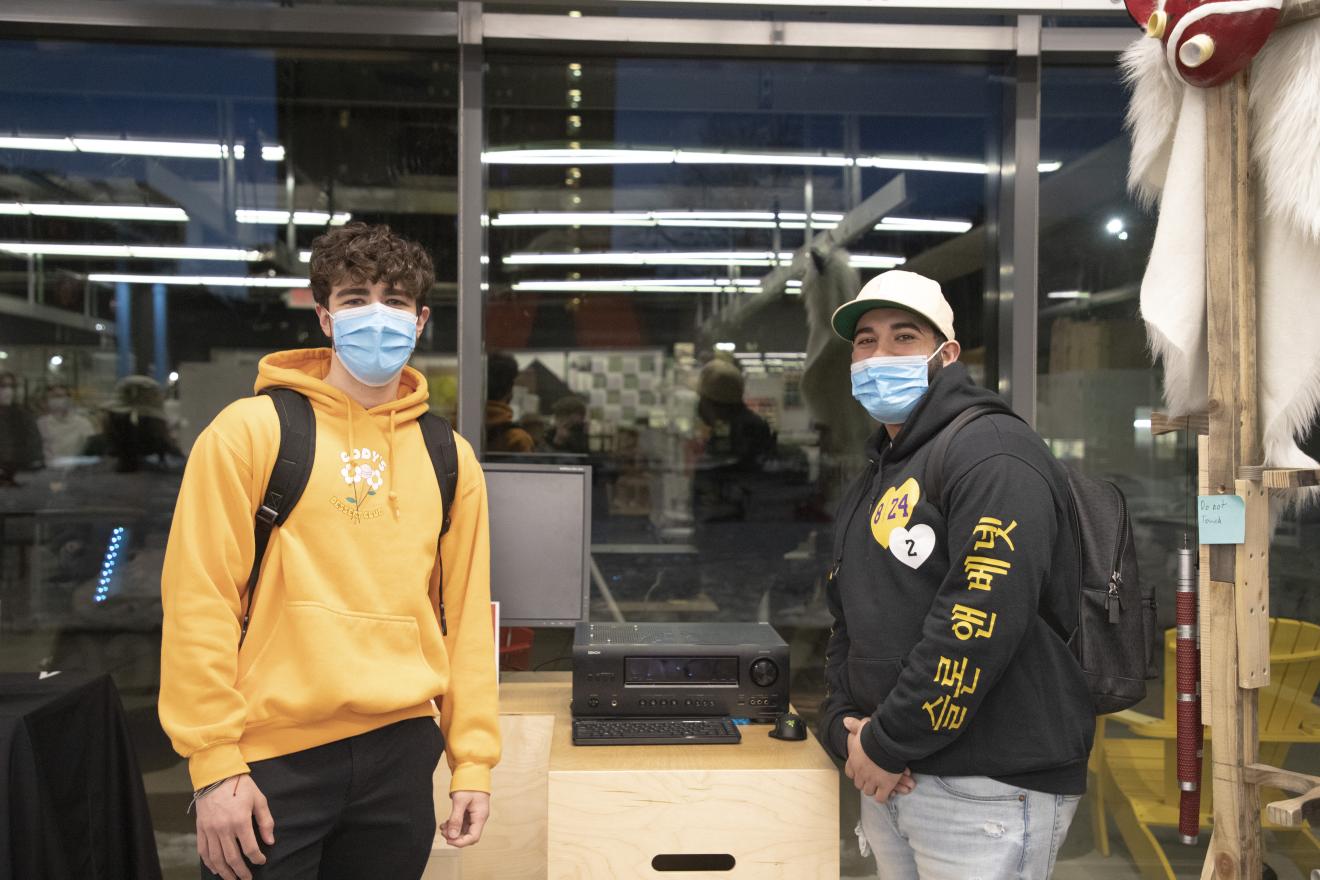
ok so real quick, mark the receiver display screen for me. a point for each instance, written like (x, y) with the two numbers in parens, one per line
(680, 670)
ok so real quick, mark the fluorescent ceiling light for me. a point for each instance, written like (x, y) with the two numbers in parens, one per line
(726, 346)
(300, 218)
(689, 258)
(911, 163)
(96, 212)
(706, 157)
(914, 224)
(193, 253)
(649, 285)
(163, 149)
(578, 157)
(129, 251)
(685, 258)
(817, 217)
(51, 144)
(208, 280)
(133, 147)
(574, 218)
(715, 220)
(874, 261)
(1068, 294)
(628, 156)
(694, 219)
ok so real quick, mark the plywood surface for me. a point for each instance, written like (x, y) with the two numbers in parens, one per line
(565, 811)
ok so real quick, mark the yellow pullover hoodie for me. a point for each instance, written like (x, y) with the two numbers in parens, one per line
(344, 634)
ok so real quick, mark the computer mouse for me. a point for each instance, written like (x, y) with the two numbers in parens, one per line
(789, 726)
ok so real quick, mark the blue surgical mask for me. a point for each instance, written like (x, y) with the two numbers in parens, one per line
(373, 342)
(890, 387)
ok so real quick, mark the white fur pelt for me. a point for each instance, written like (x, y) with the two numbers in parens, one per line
(1166, 121)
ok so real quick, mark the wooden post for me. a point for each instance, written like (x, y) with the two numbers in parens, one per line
(1234, 441)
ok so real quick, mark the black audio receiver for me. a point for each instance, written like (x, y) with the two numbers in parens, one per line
(684, 669)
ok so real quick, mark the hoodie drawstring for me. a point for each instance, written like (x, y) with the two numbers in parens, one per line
(393, 496)
(348, 414)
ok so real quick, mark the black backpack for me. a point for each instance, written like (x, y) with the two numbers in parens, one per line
(1116, 639)
(293, 467)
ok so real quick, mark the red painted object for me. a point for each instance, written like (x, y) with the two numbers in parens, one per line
(1140, 10)
(1190, 732)
(1207, 41)
(516, 648)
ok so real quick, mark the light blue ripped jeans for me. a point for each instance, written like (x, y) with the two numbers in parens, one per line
(966, 828)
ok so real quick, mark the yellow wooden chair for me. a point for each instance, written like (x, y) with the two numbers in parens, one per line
(1137, 776)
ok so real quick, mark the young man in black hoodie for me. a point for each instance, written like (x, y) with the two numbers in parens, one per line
(963, 717)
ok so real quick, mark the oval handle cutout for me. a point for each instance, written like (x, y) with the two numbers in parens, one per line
(693, 862)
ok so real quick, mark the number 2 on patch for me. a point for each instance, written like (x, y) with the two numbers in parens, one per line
(912, 548)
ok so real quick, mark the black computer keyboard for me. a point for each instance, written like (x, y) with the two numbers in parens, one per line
(653, 731)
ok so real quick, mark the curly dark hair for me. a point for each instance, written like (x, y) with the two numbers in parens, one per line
(364, 254)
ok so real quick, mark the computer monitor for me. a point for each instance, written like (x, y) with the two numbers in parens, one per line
(540, 542)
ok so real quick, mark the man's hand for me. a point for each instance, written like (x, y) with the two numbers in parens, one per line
(224, 828)
(467, 818)
(871, 779)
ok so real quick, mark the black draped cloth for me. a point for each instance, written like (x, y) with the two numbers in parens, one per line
(71, 794)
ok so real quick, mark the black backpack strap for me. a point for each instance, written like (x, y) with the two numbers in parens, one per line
(288, 479)
(934, 476)
(440, 446)
(438, 435)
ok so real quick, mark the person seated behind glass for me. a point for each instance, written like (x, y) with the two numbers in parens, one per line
(135, 424)
(738, 548)
(736, 437)
(503, 434)
(570, 433)
(20, 439)
(64, 428)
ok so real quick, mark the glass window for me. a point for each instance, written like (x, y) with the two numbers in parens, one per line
(649, 314)
(147, 261)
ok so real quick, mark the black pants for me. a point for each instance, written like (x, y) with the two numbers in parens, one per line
(358, 808)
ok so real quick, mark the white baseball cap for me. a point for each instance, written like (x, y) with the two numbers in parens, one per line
(896, 289)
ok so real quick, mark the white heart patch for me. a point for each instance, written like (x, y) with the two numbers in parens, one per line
(912, 546)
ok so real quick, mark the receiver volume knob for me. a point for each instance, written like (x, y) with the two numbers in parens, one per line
(765, 672)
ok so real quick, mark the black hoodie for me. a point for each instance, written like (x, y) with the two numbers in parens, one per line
(951, 617)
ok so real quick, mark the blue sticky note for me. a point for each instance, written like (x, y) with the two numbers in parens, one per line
(1222, 519)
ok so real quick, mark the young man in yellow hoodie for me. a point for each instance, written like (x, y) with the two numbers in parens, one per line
(317, 726)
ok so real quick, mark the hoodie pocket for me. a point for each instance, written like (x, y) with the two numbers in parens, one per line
(320, 662)
(871, 680)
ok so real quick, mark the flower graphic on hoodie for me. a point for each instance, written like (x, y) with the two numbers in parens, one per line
(363, 470)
